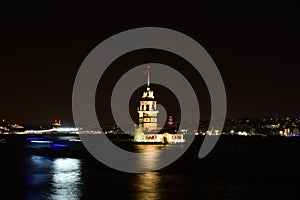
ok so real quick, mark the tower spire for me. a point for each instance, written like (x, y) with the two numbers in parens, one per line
(148, 70)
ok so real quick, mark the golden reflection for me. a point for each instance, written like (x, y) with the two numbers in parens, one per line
(147, 186)
(143, 148)
(151, 157)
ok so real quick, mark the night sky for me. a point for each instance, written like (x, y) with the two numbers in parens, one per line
(255, 48)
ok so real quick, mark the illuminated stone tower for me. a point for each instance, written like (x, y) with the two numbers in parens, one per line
(148, 110)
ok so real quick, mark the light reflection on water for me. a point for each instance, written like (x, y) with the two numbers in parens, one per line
(66, 177)
(61, 178)
(151, 159)
(58, 178)
(42, 177)
(153, 156)
(148, 186)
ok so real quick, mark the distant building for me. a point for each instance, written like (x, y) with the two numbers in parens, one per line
(57, 123)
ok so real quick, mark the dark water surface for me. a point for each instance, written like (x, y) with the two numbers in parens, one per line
(237, 168)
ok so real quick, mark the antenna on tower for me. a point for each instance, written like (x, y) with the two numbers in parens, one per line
(148, 72)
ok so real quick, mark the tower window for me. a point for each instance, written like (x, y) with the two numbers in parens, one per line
(153, 108)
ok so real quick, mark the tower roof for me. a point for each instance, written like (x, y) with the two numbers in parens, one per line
(148, 95)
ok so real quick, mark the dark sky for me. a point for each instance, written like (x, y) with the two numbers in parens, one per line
(256, 49)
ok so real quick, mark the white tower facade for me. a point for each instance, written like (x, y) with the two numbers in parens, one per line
(148, 108)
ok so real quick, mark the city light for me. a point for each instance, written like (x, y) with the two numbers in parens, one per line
(65, 129)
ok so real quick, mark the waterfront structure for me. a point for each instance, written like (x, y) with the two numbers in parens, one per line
(148, 131)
